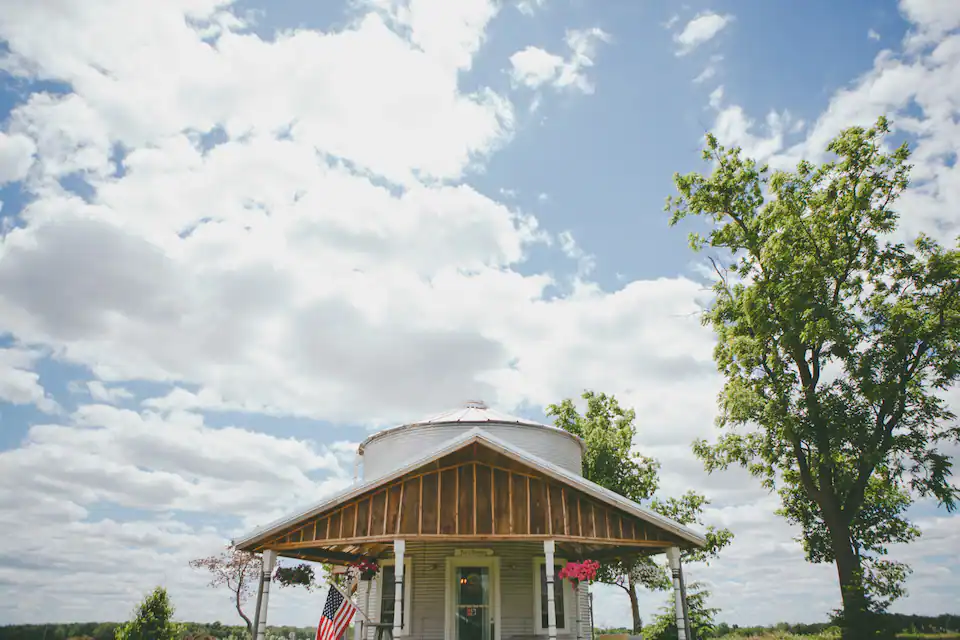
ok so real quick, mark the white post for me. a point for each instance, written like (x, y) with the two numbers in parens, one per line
(357, 622)
(673, 555)
(269, 562)
(399, 546)
(549, 547)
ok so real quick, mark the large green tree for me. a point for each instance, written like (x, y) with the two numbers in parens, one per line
(836, 343)
(608, 430)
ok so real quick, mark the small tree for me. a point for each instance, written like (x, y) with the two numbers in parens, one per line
(239, 571)
(608, 430)
(700, 617)
(152, 619)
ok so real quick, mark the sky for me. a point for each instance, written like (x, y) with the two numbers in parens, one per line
(239, 237)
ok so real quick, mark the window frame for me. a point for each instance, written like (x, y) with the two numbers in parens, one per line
(565, 591)
(406, 629)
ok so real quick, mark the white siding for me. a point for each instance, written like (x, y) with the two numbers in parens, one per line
(428, 576)
(392, 449)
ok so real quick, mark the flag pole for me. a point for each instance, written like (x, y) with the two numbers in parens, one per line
(355, 605)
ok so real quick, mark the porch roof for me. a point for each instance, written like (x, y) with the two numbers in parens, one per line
(474, 488)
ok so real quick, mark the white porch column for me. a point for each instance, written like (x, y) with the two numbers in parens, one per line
(673, 555)
(549, 547)
(399, 546)
(269, 562)
(358, 620)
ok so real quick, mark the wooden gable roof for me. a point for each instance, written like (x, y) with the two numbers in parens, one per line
(477, 492)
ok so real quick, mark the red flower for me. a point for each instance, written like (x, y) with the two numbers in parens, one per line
(578, 572)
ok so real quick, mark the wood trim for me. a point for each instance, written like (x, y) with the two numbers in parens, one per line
(403, 485)
(370, 516)
(475, 538)
(549, 509)
(510, 498)
(529, 506)
(563, 500)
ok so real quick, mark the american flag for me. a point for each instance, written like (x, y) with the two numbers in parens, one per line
(337, 614)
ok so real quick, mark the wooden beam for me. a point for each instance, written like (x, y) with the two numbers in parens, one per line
(510, 497)
(563, 499)
(400, 507)
(471, 538)
(370, 517)
(549, 510)
(324, 555)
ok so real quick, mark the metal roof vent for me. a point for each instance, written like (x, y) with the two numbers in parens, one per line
(476, 404)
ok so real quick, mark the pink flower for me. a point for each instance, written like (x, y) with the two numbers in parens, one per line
(577, 572)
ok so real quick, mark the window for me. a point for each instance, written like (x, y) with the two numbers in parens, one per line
(557, 597)
(387, 590)
(562, 597)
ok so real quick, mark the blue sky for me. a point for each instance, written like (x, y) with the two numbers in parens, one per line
(239, 237)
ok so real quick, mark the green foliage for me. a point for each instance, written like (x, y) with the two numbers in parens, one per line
(152, 619)
(836, 344)
(299, 575)
(608, 431)
(700, 617)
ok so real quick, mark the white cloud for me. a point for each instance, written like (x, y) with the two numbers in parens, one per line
(916, 89)
(710, 70)
(703, 27)
(19, 384)
(16, 157)
(109, 395)
(534, 67)
(530, 7)
(104, 455)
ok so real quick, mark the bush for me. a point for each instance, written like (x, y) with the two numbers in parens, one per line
(152, 620)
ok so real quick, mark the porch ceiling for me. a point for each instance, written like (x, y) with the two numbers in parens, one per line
(474, 494)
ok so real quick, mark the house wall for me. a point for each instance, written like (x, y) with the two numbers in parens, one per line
(517, 589)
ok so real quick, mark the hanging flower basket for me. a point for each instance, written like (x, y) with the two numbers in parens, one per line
(577, 572)
(366, 568)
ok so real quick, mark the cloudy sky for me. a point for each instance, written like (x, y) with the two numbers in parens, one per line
(236, 237)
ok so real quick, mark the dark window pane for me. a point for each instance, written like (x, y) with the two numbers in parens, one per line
(387, 601)
(557, 596)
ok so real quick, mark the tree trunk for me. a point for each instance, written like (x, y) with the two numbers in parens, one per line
(857, 621)
(250, 628)
(634, 606)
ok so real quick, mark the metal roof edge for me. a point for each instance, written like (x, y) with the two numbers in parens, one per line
(478, 424)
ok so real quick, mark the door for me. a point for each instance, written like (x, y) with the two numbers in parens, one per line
(473, 605)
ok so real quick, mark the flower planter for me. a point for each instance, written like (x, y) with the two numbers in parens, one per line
(366, 569)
